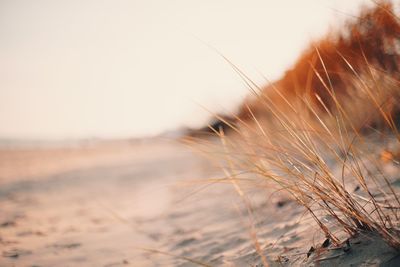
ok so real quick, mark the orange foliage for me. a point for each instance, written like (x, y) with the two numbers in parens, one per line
(368, 46)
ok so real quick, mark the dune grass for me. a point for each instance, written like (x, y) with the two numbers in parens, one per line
(319, 132)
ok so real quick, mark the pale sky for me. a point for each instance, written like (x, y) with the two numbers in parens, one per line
(91, 68)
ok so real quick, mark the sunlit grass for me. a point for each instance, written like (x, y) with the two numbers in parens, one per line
(318, 141)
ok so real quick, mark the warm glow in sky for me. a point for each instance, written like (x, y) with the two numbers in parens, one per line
(87, 68)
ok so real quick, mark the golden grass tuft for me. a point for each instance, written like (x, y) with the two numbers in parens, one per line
(320, 132)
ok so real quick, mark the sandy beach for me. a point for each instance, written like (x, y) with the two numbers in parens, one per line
(104, 203)
(92, 205)
(143, 203)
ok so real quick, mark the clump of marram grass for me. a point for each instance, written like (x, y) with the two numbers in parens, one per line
(315, 142)
(330, 170)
